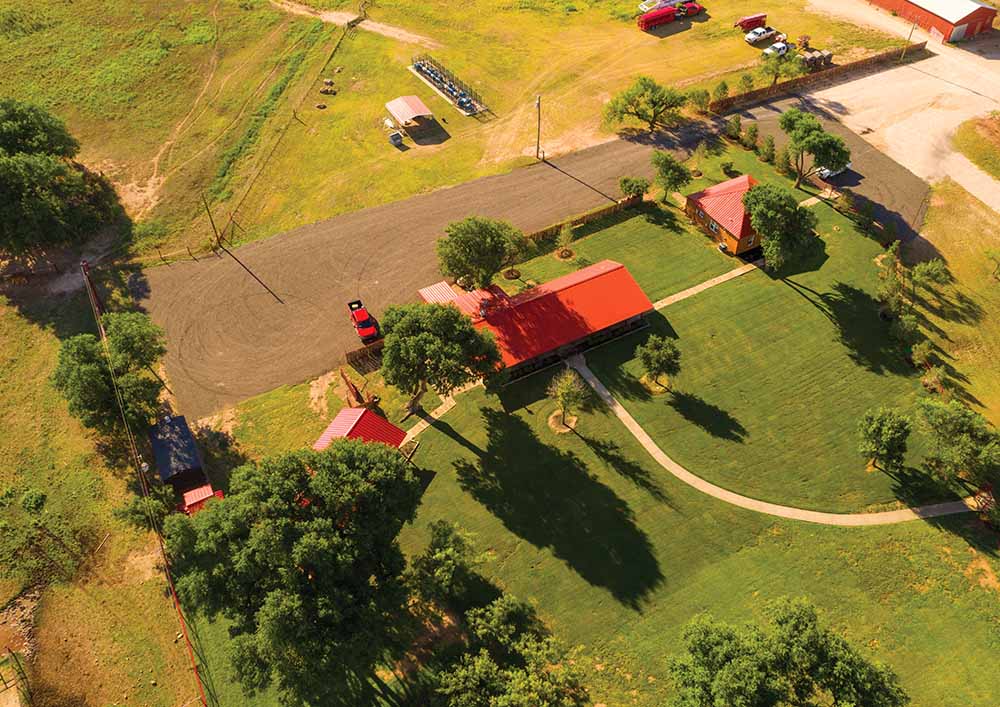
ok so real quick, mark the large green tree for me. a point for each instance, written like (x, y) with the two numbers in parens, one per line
(45, 199)
(794, 661)
(659, 357)
(808, 138)
(83, 376)
(32, 130)
(646, 101)
(511, 662)
(302, 559)
(963, 445)
(568, 391)
(784, 227)
(671, 174)
(434, 345)
(882, 435)
(477, 248)
(775, 67)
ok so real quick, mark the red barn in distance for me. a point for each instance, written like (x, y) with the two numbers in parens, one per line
(363, 424)
(946, 20)
(535, 328)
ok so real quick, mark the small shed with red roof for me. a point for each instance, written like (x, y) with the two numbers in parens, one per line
(537, 327)
(719, 211)
(363, 424)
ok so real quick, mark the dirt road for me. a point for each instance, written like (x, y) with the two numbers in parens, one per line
(342, 18)
(229, 339)
(912, 111)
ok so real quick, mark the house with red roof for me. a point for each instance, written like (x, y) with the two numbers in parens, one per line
(535, 328)
(719, 212)
(363, 424)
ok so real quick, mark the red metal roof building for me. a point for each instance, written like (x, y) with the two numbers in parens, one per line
(945, 20)
(363, 424)
(719, 211)
(538, 326)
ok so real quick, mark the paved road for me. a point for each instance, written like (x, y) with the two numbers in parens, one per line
(229, 339)
(842, 519)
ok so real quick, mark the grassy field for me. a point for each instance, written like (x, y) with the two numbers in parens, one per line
(660, 248)
(963, 318)
(979, 140)
(617, 555)
(104, 626)
(775, 373)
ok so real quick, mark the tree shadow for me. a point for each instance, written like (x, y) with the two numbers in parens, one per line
(682, 138)
(854, 314)
(711, 418)
(221, 454)
(548, 497)
(810, 259)
(611, 454)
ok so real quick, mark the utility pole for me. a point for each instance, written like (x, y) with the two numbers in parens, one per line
(538, 133)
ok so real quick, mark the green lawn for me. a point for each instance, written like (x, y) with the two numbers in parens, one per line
(617, 555)
(710, 161)
(775, 374)
(662, 250)
(979, 140)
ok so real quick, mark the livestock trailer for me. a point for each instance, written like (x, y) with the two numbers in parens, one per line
(751, 21)
(656, 18)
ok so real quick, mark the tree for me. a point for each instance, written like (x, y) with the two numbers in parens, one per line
(28, 129)
(45, 199)
(785, 228)
(746, 83)
(882, 435)
(670, 174)
(83, 377)
(436, 345)
(962, 443)
(477, 248)
(734, 127)
(633, 187)
(647, 101)
(720, 91)
(783, 163)
(767, 149)
(750, 137)
(511, 662)
(922, 353)
(925, 274)
(905, 329)
(302, 558)
(568, 391)
(775, 67)
(806, 136)
(890, 291)
(795, 661)
(699, 98)
(659, 357)
(444, 571)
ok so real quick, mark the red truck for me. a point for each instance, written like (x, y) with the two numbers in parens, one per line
(665, 15)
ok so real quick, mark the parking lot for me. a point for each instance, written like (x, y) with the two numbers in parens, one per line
(896, 193)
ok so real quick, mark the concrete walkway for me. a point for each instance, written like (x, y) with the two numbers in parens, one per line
(841, 519)
(725, 277)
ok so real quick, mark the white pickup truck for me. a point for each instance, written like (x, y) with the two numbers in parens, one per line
(759, 34)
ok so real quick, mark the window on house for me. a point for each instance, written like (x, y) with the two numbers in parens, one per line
(752, 238)
(701, 214)
(714, 227)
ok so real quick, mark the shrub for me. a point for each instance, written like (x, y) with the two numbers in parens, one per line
(699, 98)
(750, 137)
(746, 83)
(720, 91)
(734, 127)
(767, 150)
(633, 186)
(783, 162)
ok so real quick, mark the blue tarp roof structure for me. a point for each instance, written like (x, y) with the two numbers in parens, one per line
(174, 448)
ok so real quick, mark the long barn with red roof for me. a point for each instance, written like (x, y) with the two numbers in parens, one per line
(535, 328)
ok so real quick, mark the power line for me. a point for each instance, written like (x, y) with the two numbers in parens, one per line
(140, 469)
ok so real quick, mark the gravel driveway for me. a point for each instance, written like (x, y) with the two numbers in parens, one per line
(228, 339)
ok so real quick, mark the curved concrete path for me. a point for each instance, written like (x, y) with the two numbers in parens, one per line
(843, 519)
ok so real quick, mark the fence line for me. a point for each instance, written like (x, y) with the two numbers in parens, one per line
(588, 217)
(792, 85)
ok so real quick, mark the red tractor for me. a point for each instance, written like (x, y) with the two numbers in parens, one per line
(365, 324)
